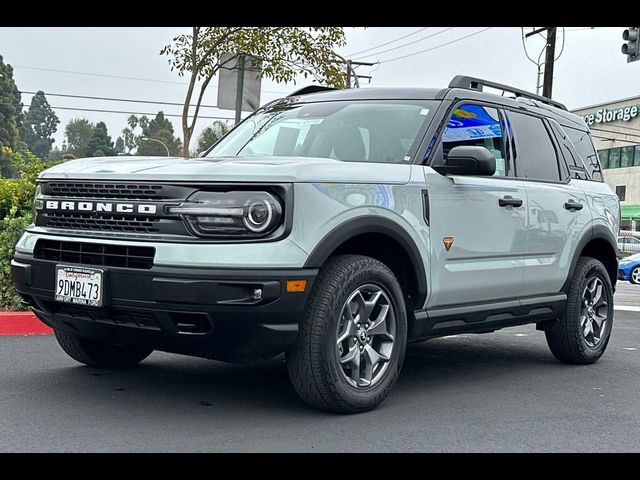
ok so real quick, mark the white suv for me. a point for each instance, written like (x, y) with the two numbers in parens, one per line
(334, 226)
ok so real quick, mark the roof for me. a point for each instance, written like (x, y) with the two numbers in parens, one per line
(375, 93)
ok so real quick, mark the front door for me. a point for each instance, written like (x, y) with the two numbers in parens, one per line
(478, 224)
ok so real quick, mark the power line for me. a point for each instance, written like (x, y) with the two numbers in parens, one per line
(387, 43)
(437, 46)
(135, 113)
(411, 43)
(112, 99)
(121, 77)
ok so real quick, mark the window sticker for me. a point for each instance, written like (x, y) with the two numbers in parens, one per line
(471, 122)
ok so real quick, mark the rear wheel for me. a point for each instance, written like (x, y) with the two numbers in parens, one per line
(635, 275)
(352, 339)
(99, 354)
(582, 335)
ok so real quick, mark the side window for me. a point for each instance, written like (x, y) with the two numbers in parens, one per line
(476, 125)
(621, 192)
(584, 145)
(573, 165)
(534, 152)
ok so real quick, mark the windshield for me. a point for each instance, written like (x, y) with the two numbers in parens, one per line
(380, 131)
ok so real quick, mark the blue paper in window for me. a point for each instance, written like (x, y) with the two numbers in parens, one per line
(471, 122)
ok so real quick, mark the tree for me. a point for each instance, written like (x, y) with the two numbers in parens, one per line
(77, 133)
(40, 123)
(161, 129)
(11, 118)
(128, 134)
(119, 145)
(283, 52)
(100, 143)
(211, 135)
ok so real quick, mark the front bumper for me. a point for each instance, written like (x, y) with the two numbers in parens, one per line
(205, 312)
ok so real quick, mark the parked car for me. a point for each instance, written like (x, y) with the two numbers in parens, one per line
(334, 226)
(629, 269)
(628, 244)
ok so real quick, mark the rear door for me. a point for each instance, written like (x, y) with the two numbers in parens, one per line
(557, 210)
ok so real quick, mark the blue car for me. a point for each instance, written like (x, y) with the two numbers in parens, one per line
(629, 269)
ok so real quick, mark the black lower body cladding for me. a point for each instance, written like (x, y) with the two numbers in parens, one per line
(212, 313)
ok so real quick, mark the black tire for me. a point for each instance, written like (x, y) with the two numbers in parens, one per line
(565, 338)
(637, 269)
(313, 364)
(98, 354)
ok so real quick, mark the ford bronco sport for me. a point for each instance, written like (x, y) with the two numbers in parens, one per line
(334, 226)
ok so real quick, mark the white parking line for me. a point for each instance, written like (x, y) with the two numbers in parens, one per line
(626, 308)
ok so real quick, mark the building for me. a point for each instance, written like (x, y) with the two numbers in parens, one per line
(615, 128)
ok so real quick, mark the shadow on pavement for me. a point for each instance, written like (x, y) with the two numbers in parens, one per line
(175, 383)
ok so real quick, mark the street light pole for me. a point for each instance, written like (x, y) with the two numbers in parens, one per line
(161, 143)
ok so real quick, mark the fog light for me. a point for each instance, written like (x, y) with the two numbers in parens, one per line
(296, 285)
(257, 294)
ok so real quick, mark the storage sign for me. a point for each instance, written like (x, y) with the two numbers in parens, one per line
(603, 115)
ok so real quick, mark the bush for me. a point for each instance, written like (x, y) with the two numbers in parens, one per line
(11, 229)
(16, 204)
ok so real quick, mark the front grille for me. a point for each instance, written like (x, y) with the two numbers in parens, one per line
(92, 208)
(130, 191)
(111, 223)
(115, 316)
(95, 254)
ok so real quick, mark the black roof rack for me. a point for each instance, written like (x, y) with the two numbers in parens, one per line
(471, 83)
(310, 89)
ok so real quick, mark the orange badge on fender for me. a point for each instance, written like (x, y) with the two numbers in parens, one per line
(448, 241)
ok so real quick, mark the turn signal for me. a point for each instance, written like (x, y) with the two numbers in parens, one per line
(296, 285)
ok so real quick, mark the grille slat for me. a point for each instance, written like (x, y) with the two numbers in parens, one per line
(144, 320)
(95, 254)
(83, 221)
(130, 191)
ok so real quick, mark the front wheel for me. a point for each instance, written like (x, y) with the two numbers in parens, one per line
(635, 275)
(100, 354)
(352, 339)
(582, 334)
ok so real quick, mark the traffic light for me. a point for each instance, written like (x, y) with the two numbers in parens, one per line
(631, 48)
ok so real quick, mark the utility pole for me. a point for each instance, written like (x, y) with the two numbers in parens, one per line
(550, 54)
(239, 87)
(549, 61)
(351, 72)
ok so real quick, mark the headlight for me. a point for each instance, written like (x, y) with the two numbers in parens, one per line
(239, 214)
(38, 204)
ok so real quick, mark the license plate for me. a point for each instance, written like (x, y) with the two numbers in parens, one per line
(79, 285)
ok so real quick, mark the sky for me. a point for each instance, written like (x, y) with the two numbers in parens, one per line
(590, 69)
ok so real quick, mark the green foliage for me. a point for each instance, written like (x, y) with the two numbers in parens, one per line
(100, 143)
(119, 145)
(282, 52)
(78, 133)
(11, 118)
(16, 203)
(11, 229)
(211, 135)
(40, 123)
(158, 128)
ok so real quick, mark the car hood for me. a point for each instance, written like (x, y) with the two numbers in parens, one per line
(228, 169)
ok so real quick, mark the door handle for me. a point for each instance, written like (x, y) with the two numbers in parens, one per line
(571, 205)
(509, 201)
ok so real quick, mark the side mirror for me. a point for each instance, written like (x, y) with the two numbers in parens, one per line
(468, 160)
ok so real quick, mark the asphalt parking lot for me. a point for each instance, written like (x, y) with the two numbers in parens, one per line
(495, 392)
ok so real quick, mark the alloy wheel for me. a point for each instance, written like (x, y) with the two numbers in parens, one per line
(365, 335)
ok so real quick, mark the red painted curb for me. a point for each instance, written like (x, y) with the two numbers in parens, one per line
(22, 323)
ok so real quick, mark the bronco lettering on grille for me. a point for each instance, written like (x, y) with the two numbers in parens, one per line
(146, 209)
